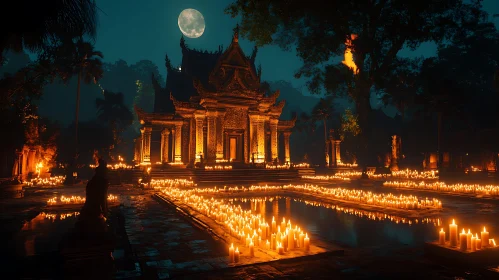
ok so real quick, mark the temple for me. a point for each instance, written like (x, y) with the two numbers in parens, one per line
(213, 108)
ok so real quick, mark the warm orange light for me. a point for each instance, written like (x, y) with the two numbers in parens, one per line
(484, 230)
(453, 222)
(442, 230)
(349, 61)
(463, 232)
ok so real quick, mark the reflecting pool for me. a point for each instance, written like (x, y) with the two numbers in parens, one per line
(346, 226)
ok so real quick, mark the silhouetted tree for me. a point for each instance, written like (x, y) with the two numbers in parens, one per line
(382, 29)
(44, 21)
(79, 58)
(113, 112)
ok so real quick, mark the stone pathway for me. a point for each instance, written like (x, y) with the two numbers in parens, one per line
(167, 245)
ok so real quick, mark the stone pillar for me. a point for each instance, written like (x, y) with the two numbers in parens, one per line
(274, 150)
(211, 136)
(178, 143)
(332, 160)
(253, 137)
(395, 154)
(287, 158)
(165, 137)
(199, 137)
(32, 161)
(146, 144)
(261, 139)
(337, 151)
(220, 135)
(138, 146)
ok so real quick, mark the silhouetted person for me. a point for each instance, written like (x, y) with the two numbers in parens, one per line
(96, 193)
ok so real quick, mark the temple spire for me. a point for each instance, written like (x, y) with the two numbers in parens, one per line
(235, 37)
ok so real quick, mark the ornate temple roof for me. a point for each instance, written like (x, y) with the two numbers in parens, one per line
(208, 72)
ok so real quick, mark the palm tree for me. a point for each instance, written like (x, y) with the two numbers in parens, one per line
(79, 58)
(112, 110)
(323, 112)
(44, 21)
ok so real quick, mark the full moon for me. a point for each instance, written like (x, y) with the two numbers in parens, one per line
(191, 23)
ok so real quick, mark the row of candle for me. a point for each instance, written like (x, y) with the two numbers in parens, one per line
(467, 241)
(161, 183)
(243, 224)
(61, 216)
(353, 195)
(50, 181)
(116, 166)
(345, 176)
(218, 167)
(75, 199)
(491, 190)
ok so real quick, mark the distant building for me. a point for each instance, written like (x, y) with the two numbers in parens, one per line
(213, 107)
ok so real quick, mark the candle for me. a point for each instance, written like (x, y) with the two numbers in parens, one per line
(478, 242)
(283, 224)
(273, 225)
(473, 244)
(248, 240)
(463, 240)
(278, 235)
(236, 255)
(251, 249)
(291, 241)
(453, 234)
(267, 245)
(492, 243)
(306, 243)
(485, 238)
(231, 253)
(272, 242)
(285, 239)
(441, 239)
(301, 237)
(468, 239)
(280, 249)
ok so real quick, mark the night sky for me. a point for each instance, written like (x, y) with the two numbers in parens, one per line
(136, 30)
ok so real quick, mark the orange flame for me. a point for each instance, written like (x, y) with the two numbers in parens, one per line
(349, 62)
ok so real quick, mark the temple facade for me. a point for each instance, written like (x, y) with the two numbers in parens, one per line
(213, 108)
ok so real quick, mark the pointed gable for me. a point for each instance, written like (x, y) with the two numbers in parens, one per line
(234, 71)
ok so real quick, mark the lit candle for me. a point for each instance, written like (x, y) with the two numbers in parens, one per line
(231, 253)
(273, 225)
(492, 243)
(272, 242)
(236, 255)
(248, 240)
(478, 242)
(453, 234)
(278, 235)
(291, 241)
(280, 249)
(301, 237)
(463, 240)
(468, 239)
(267, 245)
(485, 238)
(441, 239)
(251, 249)
(283, 224)
(473, 244)
(306, 243)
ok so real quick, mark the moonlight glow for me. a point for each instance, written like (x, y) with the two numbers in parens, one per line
(191, 23)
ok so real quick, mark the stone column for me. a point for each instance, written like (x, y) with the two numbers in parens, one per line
(220, 135)
(211, 136)
(165, 137)
(332, 160)
(178, 143)
(199, 137)
(32, 161)
(337, 151)
(261, 139)
(137, 151)
(394, 162)
(253, 137)
(287, 158)
(146, 144)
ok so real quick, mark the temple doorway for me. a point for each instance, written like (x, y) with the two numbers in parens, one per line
(234, 146)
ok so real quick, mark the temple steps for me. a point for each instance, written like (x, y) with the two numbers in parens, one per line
(213, 177)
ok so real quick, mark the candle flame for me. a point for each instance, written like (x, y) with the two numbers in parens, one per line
(237, 250)
(442, 230)
(484, 230)
(232, 246)
(469, 231)
(306, 235)
(453, 222)
(463, 232)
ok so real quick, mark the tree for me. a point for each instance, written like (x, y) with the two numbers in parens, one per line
(78, 58)
(113, 111)
(44, 21)
(374, 31)
(322, 112)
